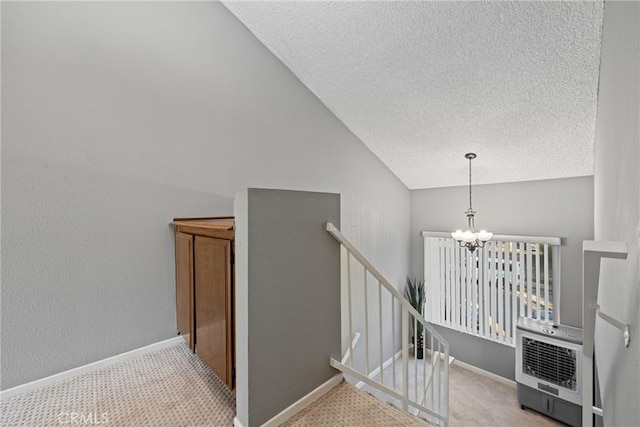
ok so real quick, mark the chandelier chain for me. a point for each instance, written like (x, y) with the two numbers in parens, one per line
(470, 205)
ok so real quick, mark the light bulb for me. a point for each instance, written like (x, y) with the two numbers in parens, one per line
(457, 235)
(468, 236)
(484, 235)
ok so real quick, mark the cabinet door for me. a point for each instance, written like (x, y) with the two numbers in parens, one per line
(213, 305)
(184, 286)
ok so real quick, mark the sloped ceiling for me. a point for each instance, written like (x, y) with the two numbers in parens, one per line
(421, 83)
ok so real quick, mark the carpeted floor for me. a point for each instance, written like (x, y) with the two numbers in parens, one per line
(418, 374)
(171, 388)
(345, 405)
(476, 400)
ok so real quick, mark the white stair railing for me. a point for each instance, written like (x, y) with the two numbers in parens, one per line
(428, 396)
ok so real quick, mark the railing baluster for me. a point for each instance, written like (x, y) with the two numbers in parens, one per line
(415, 356)
(452, 279)
(467, 292)
(351, 355)
(503, 297)
(405, 357)
(508, 291)
(546, 283)
(456, 285)
(447, 266)
(429, 278)
(366, 322)
(521, 283)
(492, 289)
(555, 262)
(522, 270)
(474, 294)
(514, 290)
(445, 409)
(436, 378)
(462, 289)
(471, 296)
(529, 270)
(485, 293)
(435, 262)
(393, 340)
(442, 295)
(381, 323)
(431, 379)
(424, 370)
(538, 298)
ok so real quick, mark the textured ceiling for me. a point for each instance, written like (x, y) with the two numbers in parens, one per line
(422, 83)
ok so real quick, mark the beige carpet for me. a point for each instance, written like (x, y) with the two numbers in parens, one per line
(476, 400)
(345, 405)
(171, 388)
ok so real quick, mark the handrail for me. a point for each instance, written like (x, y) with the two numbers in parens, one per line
(624, 327)
(361, 258)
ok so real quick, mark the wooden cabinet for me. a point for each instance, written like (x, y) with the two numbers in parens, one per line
(184, 286)
(205, 294)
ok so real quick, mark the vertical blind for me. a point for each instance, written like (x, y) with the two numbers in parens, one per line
(483, 293)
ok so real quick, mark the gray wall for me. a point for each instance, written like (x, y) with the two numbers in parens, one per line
(117, 117)
(617, 209)
(558, 207)
(291, 298)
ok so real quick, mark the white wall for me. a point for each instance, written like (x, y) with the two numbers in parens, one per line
(554, 207)
(617, 210)
(118, 117)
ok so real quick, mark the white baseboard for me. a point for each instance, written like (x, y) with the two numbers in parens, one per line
(376, 371)
(236, 422)
(33, 385)
(388, 362)
(430, 352)
(484, 373)
(301, 404)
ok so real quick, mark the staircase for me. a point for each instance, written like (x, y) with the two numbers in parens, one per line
(419, 386)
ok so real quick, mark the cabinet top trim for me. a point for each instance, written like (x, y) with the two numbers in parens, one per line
(218, 223)
(220, 227)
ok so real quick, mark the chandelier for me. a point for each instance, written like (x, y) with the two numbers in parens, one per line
(471, 239)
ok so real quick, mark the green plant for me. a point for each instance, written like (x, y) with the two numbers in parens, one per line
(415, 293)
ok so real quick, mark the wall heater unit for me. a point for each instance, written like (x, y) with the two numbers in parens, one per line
(549, 369)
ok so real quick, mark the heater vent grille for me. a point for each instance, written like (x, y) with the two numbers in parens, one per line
(549, 362)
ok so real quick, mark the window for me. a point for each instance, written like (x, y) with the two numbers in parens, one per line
(483, 293)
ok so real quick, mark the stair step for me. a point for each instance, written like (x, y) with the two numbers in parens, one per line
(346, 405)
